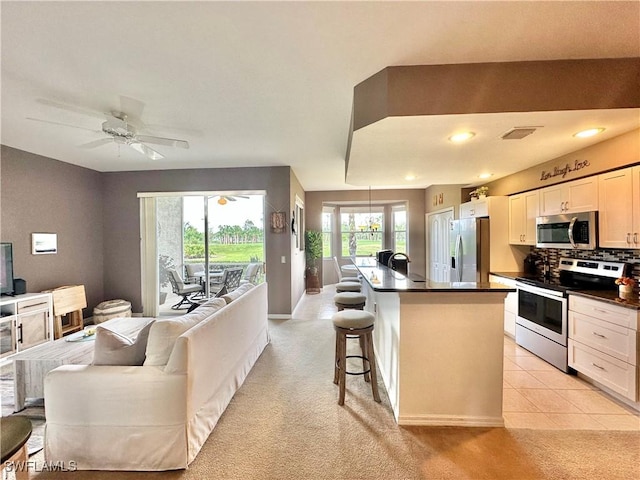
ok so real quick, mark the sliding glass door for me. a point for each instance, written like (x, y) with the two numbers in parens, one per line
(196, 236)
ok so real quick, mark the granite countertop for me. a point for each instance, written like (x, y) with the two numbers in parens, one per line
(608, 296)
(383, 279)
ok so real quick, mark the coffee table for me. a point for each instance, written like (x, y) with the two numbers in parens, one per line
(31, 367)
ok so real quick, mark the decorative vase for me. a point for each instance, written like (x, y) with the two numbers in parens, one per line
(481, 196)
(625, 291)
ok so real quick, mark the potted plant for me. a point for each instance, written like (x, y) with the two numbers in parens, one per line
(165, 263)
(480, 192)
(313, 253)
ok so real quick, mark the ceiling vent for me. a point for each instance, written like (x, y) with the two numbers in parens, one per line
(518, 133)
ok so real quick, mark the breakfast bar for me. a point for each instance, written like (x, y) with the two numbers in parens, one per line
(439, 346)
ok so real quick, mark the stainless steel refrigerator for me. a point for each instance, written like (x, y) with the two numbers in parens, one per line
(469, 248)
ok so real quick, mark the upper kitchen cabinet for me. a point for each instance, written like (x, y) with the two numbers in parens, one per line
(577, 196)
(523, 210)
(619, 221)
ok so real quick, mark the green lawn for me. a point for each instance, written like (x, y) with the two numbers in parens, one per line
(233, 253)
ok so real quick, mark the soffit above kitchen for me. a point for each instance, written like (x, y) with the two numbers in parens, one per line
(403, 118)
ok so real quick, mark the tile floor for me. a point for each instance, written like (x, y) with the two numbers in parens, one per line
(537, 395)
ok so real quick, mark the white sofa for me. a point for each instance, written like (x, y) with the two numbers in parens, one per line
(155, 417)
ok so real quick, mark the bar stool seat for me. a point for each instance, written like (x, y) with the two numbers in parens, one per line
(14, 432)
(350, 279)
(349, 270)
(348, 287)
(349, 300)
(354, 324)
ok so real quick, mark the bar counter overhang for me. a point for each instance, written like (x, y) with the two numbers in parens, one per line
(439, 347)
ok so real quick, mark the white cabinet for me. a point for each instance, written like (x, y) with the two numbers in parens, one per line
(475, 208)
(603, 344)
(523, 210)
(25, 321)
(577, 196)
(619, 217)
(510, 304)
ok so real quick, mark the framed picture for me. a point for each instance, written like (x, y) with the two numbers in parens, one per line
(44, 243)
(278, 222)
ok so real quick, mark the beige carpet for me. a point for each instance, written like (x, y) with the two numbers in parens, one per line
(285, 423)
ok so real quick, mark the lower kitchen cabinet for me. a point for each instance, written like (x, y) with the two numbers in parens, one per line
(604, 344)
(510, 304)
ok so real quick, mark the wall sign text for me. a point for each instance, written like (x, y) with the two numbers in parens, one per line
(563, 171)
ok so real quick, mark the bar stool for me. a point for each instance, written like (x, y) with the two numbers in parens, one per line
(349, 270)
(15, 431)
(349, 300)
(354, 324)
(348, 287)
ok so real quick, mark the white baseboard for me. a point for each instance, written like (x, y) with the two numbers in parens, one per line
(278, 316)
(446, 420)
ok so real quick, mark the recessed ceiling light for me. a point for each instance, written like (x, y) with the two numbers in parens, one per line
(588, 133)
(410, 177)
(485, 175)
(461, 137)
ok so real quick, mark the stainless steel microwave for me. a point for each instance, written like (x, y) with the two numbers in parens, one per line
(570, 230)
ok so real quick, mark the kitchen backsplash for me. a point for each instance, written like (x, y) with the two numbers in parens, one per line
(627, 256)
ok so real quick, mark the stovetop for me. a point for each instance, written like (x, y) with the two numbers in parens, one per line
(577, 274)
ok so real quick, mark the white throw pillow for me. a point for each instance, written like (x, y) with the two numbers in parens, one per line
(112, 348)
(164, 333)
(231, 296)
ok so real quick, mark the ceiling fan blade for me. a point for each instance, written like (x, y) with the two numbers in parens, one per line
(70, 108)
(143, 149)
(96, 143)
(63, 124)
(169, 142)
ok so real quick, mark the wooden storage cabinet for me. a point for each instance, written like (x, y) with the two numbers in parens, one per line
(577, 196)
(26, 321)
(619, 217)
(604, 344)
(523, 210)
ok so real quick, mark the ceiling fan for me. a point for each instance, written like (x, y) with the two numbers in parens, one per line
(223, 199)
(120, 130)
(123, 133)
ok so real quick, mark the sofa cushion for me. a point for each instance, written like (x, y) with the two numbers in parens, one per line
(231, 296)
(164, 333)
(112, 348)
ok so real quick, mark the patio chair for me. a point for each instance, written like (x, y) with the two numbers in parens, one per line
(185, 291)
(195, 272)
(230, 280)
(251, 273)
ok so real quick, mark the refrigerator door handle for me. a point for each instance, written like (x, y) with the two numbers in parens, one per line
(457, 258)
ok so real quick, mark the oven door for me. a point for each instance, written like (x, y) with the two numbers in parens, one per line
(543, 311)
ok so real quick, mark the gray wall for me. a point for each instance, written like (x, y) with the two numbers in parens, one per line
(97, 219)
(122, 223)
(415, 199)
(39, 194)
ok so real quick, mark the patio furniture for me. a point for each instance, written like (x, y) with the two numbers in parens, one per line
(230, 280)
(251, 273)
(182, 289)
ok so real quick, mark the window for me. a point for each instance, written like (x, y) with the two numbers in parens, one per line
(361, 231)
(399, 228)
(327, 230)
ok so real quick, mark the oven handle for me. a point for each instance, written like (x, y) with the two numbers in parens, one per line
(543, 292)
(571, 225)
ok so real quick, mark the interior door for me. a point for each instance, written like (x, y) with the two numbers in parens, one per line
(438, 245)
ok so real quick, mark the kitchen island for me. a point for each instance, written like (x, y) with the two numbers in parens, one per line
(439, 346)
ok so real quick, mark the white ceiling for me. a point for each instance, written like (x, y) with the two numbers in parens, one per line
(271, 83)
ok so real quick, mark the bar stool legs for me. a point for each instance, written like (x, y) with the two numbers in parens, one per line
(354, 324)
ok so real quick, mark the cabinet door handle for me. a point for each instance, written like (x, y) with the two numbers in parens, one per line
(599, 335)
(20, 333)
(635, 237)
(472, 212)
(600, 311)
(597, 366)
(629, 238)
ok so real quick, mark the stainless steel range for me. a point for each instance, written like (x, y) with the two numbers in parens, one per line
(541, 324)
